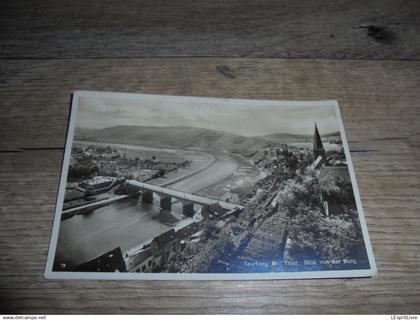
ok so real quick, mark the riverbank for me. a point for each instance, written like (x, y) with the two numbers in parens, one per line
(129, 223)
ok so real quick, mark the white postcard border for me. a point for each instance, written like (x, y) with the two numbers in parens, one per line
(50, 274)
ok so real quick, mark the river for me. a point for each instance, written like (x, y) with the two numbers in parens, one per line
(129, 223)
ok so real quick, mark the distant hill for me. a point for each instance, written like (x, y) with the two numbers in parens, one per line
(332, 134)
(85, 132)
(290, 138)
(175, 137)
(287, 137)
(189, 137)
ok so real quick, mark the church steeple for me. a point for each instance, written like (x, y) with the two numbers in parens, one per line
(318, 146)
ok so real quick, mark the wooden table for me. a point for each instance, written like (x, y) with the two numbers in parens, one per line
(365, 55)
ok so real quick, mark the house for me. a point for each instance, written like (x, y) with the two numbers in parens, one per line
(111, 261)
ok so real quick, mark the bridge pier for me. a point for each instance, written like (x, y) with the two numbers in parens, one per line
(212, 211)
(210, 207)
(165, 203)
(147, 197)
(188, 208)
(205, 212)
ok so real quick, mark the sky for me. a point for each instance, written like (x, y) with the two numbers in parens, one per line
(244, 117)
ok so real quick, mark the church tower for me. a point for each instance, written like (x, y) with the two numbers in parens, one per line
(318, 146)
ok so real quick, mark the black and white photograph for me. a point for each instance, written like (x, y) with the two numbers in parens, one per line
(167, 187)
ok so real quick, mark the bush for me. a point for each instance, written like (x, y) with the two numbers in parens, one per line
(337, 189)
(311, 231)
(79, 171)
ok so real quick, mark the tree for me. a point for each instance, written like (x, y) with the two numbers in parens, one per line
(311, 231)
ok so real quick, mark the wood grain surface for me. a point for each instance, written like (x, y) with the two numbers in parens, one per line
(380, 107)
(375, 29)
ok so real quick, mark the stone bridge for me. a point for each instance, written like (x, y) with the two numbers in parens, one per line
(188, 200)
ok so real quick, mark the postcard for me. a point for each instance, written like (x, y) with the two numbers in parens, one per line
(169, 187)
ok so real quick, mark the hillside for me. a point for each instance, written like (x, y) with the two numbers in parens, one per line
(291, 138)
(175, 137)
(287, 137)
(332, 134)
(188, 137)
